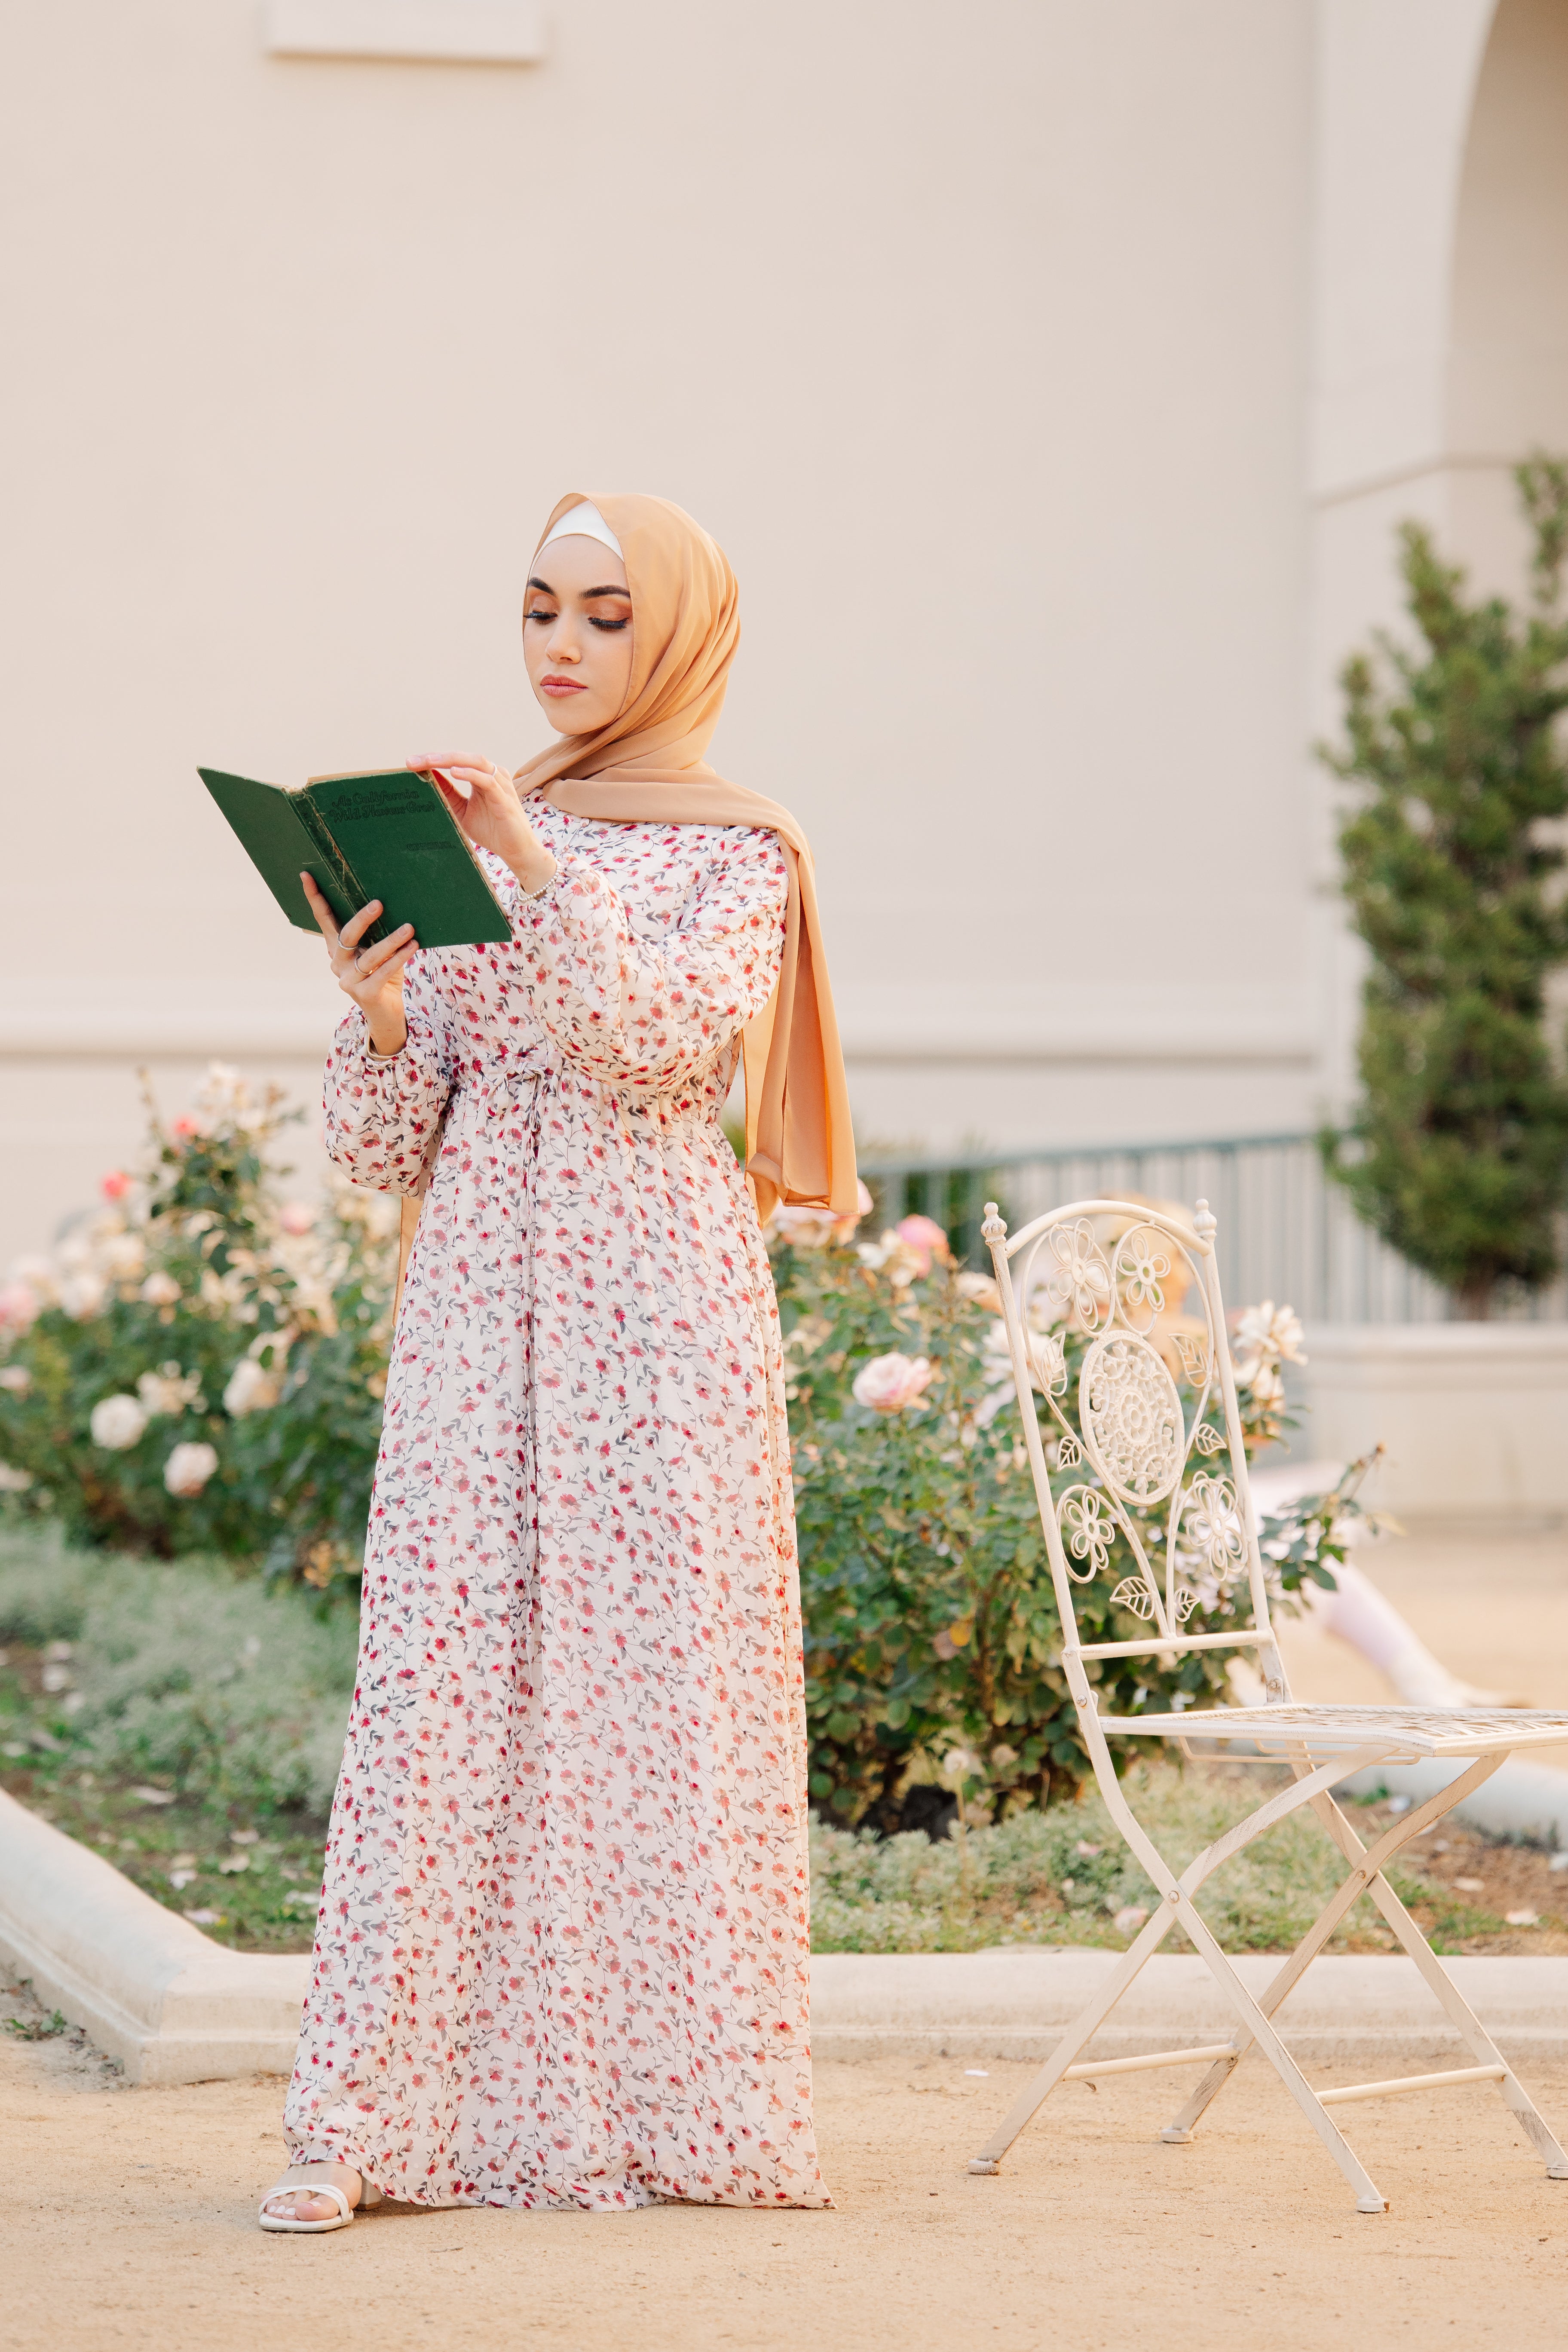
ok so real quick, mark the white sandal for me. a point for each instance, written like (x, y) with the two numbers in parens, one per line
(323, 2180)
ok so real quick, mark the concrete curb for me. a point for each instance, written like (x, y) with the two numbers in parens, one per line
(1012, 2004)
(152, 1990)
(174, 2007)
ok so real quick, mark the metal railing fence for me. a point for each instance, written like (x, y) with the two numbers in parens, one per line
(1286, 1230)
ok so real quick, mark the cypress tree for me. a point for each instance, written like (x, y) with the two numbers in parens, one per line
(1453, 864)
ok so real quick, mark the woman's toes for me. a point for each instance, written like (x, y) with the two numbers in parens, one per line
(305, 2205)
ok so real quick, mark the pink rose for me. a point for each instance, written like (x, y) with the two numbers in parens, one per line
(114, 1184)
(889, 1383)
(19, 1307)
(297, 1217)
(924, 1238)
(843, 1228)
(185, 1127)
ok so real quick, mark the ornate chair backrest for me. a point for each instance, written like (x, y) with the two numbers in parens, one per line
(1120, 1273)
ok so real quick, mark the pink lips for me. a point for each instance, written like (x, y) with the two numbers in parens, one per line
(562, 686)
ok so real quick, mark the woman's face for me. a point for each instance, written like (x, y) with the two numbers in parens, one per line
(577, 634)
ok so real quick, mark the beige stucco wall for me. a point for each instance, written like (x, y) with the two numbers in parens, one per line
(978, 340)
(1023, 359)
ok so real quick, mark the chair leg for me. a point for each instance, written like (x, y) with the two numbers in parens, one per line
(1182, 2127)
(1082, 2030)
(1369, 2198)
(1461, 2016)
(1154, 1933)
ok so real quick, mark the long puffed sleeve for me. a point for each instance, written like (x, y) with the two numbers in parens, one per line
(380, 1115)
(649, 1011)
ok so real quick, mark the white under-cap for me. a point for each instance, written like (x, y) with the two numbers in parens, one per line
(584, 522)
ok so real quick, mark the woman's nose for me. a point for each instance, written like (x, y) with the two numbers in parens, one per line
(563, 646)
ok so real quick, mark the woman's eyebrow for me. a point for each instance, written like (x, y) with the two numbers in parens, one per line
(588, 594)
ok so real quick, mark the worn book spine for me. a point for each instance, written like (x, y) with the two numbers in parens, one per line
(354, 893)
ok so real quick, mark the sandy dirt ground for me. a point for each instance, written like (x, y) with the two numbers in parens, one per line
(129, 2219)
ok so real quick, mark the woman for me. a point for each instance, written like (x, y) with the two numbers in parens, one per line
(561, 1956)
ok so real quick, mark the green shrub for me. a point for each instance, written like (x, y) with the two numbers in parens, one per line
(1454, 870)
(199, 1368)
(932, 1631)
(1063, 1875)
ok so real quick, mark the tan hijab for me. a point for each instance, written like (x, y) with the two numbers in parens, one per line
(646, 767)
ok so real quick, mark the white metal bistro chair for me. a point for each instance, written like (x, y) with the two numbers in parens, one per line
(1114, 1267)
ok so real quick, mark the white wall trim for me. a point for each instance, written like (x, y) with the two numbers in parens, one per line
(455, 32)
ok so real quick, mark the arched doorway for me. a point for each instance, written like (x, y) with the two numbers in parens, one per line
(1506, 378)
(1441, 338)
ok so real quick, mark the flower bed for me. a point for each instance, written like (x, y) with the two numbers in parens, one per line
(199, 1366)
(187, 1721)
(198, 1370)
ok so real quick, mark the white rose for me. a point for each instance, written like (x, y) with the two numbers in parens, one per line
(188, 1468)
(16, 1378)
(125, 1256)
(249, 1388)
(117, 1422)
(889, 1383)
(168, 1390)
(161, 1289)
(81, 1295)
(804, 1228)
(1269, 1335)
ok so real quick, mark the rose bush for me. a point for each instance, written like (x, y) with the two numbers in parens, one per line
(932, 1630)
(198, 1368)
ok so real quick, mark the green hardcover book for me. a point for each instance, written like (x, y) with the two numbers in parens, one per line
(388, 834)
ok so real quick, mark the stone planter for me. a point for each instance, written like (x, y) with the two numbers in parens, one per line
(1474, 1416)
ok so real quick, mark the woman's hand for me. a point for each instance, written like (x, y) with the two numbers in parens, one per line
(487, 804)
(374, 980)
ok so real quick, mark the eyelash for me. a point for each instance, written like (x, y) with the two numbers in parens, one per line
(594, 621)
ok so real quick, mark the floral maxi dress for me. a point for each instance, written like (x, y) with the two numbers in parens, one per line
(562, 1956)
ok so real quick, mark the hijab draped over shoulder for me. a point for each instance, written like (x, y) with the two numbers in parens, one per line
(648, 767)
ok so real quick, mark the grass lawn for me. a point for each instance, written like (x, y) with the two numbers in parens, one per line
(186, 1722)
